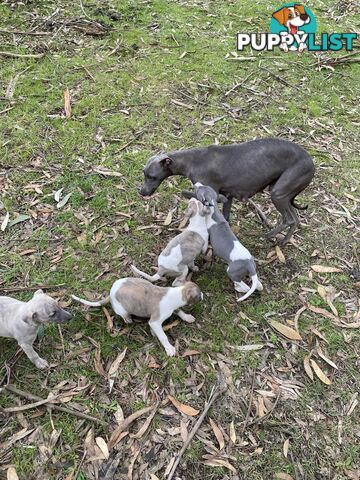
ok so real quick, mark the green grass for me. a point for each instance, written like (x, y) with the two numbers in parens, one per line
(122, 114)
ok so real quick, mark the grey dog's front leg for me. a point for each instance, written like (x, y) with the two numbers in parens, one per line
(33, 356)
(227, 208)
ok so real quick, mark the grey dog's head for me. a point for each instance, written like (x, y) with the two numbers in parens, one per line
(157, 168)
(44, 309)
(205, 194)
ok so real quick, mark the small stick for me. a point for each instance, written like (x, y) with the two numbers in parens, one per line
(22, 55)
(250, 402)
(17, 32)
(216, 392)
(279, 78)
(30, 396)
(25, 289)
(268, 415)
(260, 213)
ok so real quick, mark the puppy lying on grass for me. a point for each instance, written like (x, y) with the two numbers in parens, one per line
(180, 253)
(135, 296)
(22, 320)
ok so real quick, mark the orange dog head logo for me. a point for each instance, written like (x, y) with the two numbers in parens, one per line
(292, 17)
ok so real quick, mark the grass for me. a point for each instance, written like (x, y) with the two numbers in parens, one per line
(121, 85)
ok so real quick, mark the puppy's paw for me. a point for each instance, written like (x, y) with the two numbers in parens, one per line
(128, 320)
(170, 350)
(188, 318)
(194, 268)
(41, 363)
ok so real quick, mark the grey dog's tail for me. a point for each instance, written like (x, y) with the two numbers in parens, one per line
(151, 278)
(100, 303)
(254, 284)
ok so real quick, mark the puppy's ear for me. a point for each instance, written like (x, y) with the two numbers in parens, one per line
(222, 199)
(188, 194)
(191, 293)
(38, 292)
(190, 211)
(280, 15)
(300, 8)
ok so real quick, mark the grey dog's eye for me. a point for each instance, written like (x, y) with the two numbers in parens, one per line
(151, 177)
(53, 314)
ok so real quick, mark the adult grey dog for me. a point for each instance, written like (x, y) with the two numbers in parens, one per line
(240, 171)
(22, 320)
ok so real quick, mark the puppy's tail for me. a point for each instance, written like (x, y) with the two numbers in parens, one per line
(254, 284)
(100, 303)
(151, 278)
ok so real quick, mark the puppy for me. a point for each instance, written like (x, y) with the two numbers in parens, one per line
(180, 253)
(21, 321)
(135, 296)
(225, 244)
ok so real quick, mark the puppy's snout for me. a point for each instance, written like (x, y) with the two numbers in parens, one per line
(304, 16)
(65, 316)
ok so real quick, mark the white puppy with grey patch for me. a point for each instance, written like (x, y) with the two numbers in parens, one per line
(136, 296)
(22, 320)
(180, 253)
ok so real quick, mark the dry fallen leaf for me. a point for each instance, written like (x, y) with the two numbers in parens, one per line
(280, 254)
(182, 407)
(219, 462)
(168, 218)
(218, 434)
(63, 201)
(67, 104)
(283, 476)
(286, 447)
(11, 474)
(103, 446)
(5, 222)
(284, 330)
(319, 373)
(326, 359)
(324, 269)
(307, 367)
(119, 431)
(232, 432)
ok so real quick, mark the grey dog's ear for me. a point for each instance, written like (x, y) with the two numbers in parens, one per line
(38, 292)
(166, 161)
(188, 194)
(222, 199)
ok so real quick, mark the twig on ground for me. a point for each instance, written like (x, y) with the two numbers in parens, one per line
(280, 79)
(136, 136)
(268, 415)
(260, 213)
(22, 55)
(217, 390)
(26, 289)
(17, 32)
(70, 411)
(250, 403)
(237, 85)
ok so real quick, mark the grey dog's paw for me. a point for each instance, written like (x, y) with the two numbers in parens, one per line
(41, 363)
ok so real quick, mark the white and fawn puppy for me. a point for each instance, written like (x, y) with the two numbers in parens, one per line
(225, 244)
(180, 253)
(22, 320)
(136, 296)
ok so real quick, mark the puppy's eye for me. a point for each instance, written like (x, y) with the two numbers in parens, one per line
(151, 177)
(52, 314)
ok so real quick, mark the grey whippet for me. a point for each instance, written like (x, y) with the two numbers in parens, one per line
(22, 320)
(225, 244)
(180, 253)
(136, 296)
(240, 171)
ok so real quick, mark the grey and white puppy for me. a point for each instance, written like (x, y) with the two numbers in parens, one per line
(180, 253)
(22, 320)
(225, 244)
(136, 296)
